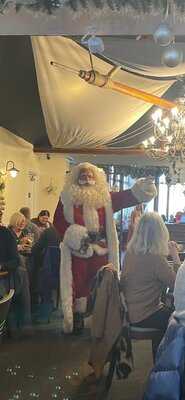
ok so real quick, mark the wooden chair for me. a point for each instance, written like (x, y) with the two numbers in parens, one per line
(4, 308)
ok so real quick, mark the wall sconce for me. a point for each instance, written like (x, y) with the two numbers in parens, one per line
(10, 167)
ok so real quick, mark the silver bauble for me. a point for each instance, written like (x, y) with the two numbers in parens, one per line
(163, 35)
(95, 44)
(172, 57)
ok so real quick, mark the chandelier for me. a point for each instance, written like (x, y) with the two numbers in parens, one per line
(168, 140)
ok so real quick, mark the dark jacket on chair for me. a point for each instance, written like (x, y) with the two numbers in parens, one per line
(166, 380)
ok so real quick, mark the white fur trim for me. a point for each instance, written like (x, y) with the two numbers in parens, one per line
(71, 245)
(66, 289)
(100, 251)
(68, 212)
(74, 235)
(91, 219)
(144, 190)
(92, 223)
(112, 238)
(81, 305)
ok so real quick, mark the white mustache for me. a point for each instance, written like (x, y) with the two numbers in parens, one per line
(86, 181)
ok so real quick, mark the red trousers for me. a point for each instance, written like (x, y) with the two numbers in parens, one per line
(84, 270)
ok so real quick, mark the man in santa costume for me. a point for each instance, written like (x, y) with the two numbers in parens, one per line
(84, 220)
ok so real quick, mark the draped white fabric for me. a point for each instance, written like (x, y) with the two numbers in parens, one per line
(76, 113)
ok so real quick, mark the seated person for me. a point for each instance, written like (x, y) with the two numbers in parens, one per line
(166, 380)
(30, 228)
(20, 317)
(164, 217)
(182, 220)
(17, 225)
(178, 217)
(49, 237)
(9, 258)
(172, 219)
(147, 273)
(42, 221)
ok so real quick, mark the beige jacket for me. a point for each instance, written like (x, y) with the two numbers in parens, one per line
(106, 319)
(143, 280)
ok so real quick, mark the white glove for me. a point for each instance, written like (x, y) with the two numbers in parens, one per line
(67, 324)
(76, 238)
(144, 189)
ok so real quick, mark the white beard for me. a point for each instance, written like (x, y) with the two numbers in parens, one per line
(91, 198)
(91, 219)
(95, 196)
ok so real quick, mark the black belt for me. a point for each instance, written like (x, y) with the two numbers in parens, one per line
(96, 236)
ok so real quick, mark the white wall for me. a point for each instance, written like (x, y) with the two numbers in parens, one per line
(51, 173)
(22, 191)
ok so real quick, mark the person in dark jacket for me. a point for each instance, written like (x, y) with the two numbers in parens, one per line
(9, 258)
(42, 221)
(166, 380)
(48, 238)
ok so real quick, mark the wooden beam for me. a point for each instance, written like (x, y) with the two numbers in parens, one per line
(98, 150)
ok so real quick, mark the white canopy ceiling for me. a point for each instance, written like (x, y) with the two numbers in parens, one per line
(76, 113)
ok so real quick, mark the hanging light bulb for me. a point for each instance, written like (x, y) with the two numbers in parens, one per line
(172, 57)
(95, 44)
(163, 35)
(145, 143)
(152, 139)
(157, 115)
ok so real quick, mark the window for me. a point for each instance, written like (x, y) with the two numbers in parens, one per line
(176, 199)
(163, 196)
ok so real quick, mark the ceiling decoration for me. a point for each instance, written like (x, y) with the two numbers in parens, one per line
(127, 7)
(79, 109)
(73, 108)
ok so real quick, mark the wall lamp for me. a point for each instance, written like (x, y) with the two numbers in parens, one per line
(10, 167)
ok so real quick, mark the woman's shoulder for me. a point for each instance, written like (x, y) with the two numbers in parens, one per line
(147, 256)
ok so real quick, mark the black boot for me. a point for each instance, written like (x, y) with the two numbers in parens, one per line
(78, 324)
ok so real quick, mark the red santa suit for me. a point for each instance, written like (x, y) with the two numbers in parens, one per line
(92, 209)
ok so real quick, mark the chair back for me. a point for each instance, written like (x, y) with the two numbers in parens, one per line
(4, 308)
